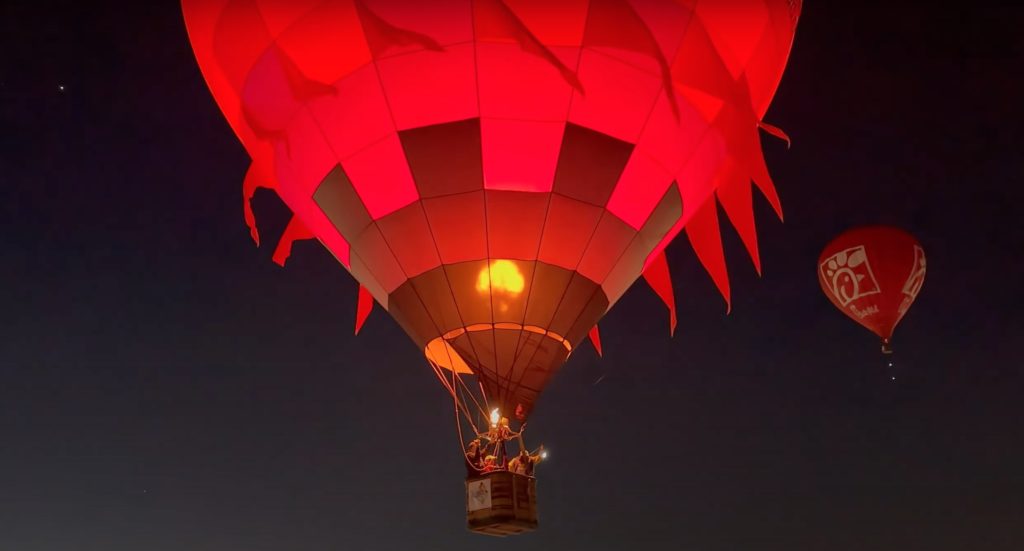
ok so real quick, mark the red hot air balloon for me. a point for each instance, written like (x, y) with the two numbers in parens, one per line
(496, 173)
(873, 274)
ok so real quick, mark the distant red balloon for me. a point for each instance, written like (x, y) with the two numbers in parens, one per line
(873, 274)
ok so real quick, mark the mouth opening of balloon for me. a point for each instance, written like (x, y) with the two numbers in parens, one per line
(439, 352)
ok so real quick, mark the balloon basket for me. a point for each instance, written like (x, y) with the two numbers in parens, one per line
(501, 503)
(886, 346)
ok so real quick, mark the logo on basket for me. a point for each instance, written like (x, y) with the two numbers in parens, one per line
(849, 275)
(479, 495)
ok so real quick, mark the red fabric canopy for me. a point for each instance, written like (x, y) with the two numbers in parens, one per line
(498, 172)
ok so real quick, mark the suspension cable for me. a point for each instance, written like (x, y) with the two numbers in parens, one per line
(451, 362)
(459, 406)
(451, 390)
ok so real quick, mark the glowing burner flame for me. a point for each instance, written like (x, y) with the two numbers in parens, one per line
(501, 276)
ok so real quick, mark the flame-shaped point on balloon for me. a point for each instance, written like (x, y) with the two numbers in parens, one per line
(302, 87)
(595, 339)
(616, 24)
(738, 120)
(382, 35)
(657, 275)
(735, 196)
(254, 179)
(494, 19)
(753, 158)
(706, 240)
(295, 231)
(777, 132)
(364, 306)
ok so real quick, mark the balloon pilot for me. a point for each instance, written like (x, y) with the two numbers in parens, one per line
(488, 451)
(474, 457)
(525, 462)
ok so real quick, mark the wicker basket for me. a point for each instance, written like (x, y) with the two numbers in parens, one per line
(501, 503)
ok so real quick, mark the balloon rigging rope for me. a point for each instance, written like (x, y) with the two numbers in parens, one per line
(451, 390)
(458, 425)
(458, 422)
(451, 362)
(458, 389)
(459, 405)
(462, 402)
(465, 390)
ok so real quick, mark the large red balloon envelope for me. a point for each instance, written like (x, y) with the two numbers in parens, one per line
(496, 173)
(873, 274)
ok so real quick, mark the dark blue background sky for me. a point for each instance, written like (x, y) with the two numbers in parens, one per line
(164, 386)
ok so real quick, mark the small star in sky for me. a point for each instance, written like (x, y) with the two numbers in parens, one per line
(60, 87)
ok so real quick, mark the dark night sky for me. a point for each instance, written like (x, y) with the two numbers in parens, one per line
(164, 386)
